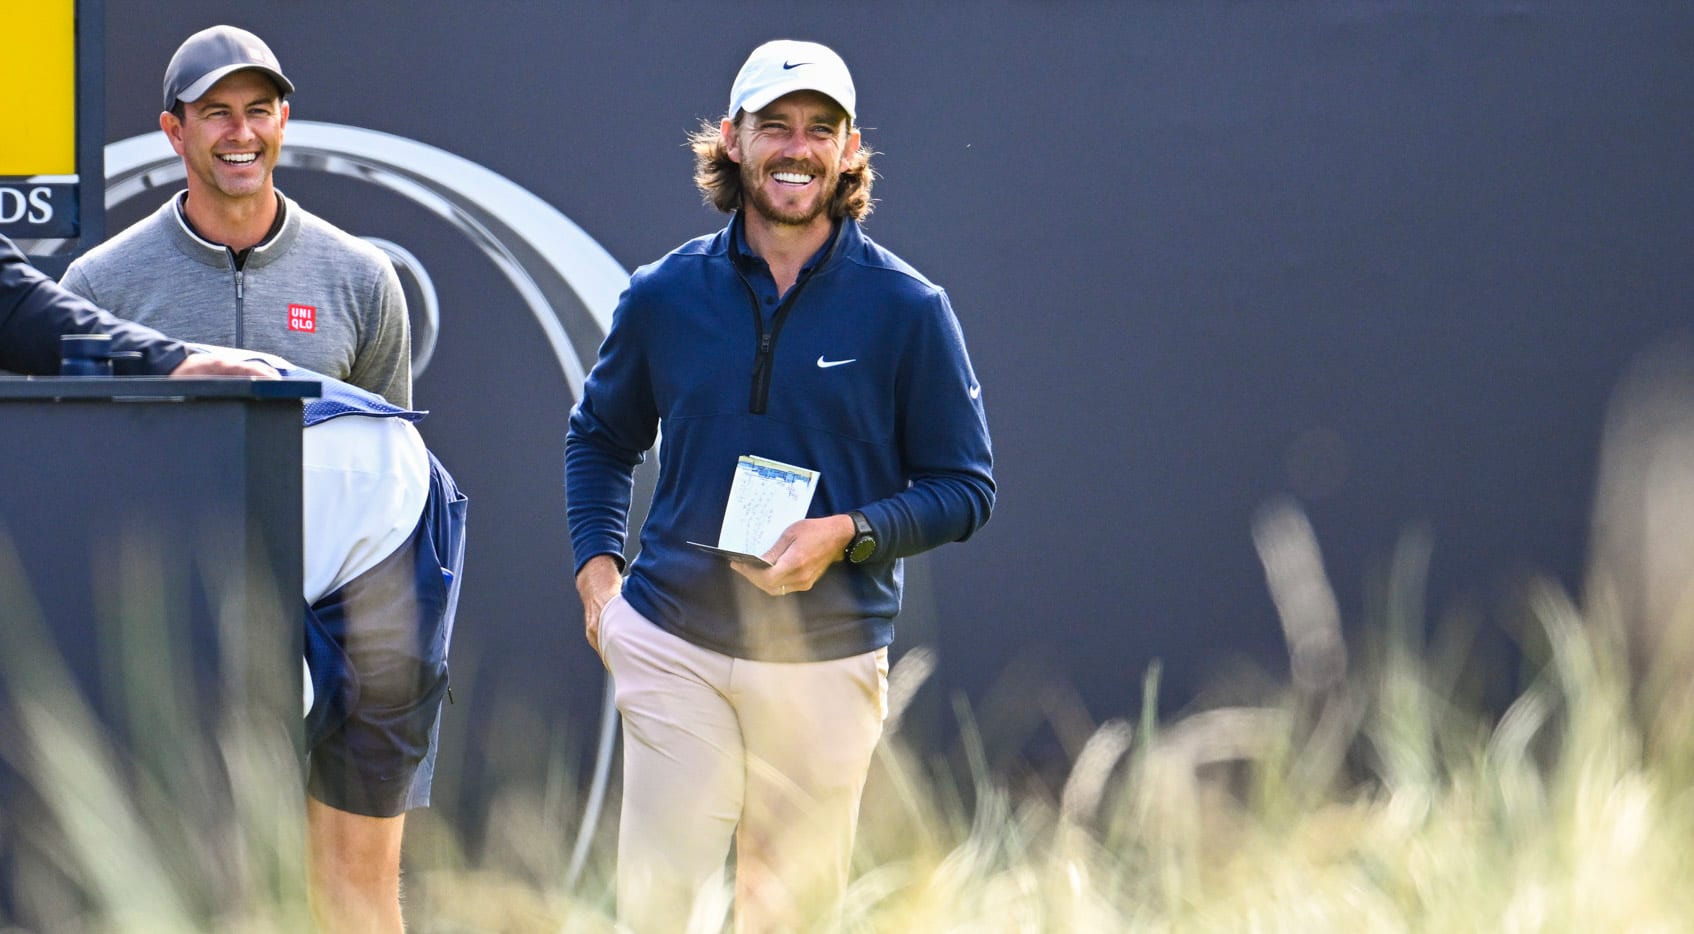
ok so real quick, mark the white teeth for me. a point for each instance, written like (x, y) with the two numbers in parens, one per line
(239, 158)
(792, 178)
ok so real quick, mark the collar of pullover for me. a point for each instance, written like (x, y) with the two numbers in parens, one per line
(846, 232)
(205, 251)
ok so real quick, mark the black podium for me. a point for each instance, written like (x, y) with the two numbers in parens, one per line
(150, 640)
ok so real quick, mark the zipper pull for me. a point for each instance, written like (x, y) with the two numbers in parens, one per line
(238, 283)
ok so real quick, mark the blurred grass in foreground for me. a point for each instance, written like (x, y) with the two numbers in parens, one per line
(1366, 794)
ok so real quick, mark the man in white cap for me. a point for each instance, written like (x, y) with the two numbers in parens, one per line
(753, 688)
(230, 260)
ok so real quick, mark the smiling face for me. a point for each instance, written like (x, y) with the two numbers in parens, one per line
(791, 155)
(230, 138)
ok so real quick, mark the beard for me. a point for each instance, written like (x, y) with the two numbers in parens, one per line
(756, 197)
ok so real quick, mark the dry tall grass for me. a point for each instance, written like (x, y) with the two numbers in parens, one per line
(1367, 794)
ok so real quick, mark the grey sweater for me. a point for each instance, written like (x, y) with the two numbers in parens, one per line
(313, 294)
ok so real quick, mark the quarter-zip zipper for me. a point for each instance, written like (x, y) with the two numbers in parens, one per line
(766, 348)
(240, 305)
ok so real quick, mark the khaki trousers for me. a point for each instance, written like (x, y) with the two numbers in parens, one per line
(774, 754)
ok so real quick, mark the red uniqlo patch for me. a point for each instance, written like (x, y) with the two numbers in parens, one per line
(302, 318)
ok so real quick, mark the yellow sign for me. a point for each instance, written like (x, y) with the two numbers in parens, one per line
(38, 88)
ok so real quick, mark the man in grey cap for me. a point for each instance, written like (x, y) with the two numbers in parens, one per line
(753, 686)
(231, 260)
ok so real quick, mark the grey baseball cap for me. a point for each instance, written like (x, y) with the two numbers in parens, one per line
(206, 57)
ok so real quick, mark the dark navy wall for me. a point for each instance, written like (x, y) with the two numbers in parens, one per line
(1387, 257)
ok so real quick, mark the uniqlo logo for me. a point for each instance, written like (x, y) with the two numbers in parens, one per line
(302, 318)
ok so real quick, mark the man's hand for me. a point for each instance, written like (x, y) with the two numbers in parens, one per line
(597, 583)
(208, 364)
(806, 550)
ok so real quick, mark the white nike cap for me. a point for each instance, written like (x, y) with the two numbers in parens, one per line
(788, 65)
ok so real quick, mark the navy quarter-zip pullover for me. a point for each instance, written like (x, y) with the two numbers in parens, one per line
(860, 372)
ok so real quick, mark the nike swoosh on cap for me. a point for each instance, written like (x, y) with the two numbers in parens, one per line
(787, 67)
(826, 364)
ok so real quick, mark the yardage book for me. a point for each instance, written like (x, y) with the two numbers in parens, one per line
(765, 497)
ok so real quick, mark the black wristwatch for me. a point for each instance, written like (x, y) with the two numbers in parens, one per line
(863, 545)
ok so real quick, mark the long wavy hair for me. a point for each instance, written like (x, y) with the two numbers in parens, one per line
(719, 177)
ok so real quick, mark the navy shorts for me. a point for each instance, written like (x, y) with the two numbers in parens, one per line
(377, 648)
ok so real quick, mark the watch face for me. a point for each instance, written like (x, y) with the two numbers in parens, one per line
(863, 547)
